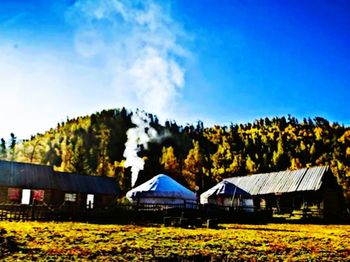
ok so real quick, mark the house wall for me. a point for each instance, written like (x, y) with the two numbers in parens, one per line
(56, 198)
(332, 203)
(100, 201)
(326, 202)
(3, 195)
(333, 199)
(287, 202)
(53, 197)
(103, 201)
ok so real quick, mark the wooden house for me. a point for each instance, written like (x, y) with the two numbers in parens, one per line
(23, 183)
(305, 189)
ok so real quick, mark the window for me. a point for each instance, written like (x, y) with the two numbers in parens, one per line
(70, 197)
(14, 194)
(38, 195)
(25, 197)
(90, 201)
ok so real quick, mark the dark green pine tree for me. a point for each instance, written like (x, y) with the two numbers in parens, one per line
(3, 154)
(13, 143)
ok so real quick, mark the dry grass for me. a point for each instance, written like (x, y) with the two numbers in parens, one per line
(88, 242)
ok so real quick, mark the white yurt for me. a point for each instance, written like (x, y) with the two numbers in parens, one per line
(228, 195)
(161, 189)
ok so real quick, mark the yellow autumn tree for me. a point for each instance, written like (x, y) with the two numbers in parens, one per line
(221, 161)
(295, 164)
(169, 162)
(250, 165)
(194, 168)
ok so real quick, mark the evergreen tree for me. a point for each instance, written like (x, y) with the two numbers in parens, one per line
(3, 153)
(79, 161)
(13, 142)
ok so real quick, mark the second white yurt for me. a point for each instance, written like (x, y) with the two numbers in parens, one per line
(227, 194)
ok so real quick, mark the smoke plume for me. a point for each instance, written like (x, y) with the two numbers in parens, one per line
(137, 137)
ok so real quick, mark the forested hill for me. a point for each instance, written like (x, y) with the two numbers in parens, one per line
(194, 155)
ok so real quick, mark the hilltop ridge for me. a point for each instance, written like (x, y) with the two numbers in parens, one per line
(194, 155)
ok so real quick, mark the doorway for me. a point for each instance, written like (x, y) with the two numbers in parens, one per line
(25, 197)
(90, 201)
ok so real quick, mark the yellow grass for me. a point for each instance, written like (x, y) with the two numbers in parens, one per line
(88, 242)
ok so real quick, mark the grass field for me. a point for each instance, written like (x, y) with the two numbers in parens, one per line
(35, 241)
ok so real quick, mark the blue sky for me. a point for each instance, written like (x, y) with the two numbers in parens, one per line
(217, 61)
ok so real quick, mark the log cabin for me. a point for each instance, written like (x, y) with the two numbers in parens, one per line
(308, 189)
(27, 184)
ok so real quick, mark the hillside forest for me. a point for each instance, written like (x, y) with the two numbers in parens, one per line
(194, 155)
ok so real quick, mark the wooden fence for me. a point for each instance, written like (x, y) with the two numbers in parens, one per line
(43, 212)
(130, 213)
(25, 212)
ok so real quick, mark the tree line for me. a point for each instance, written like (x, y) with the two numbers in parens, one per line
(194, 155)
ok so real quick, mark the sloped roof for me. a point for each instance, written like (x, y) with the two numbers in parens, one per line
(32, 176)
(224, 189)
(24, 175)
(161, 186)
(306, 179)
(69, 182)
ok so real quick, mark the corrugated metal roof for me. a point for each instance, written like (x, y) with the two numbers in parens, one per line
(69, 182)
(313, 178)
(270, 182)
(24, 175)
(32, 176)
(295, 176)
(306, 179)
